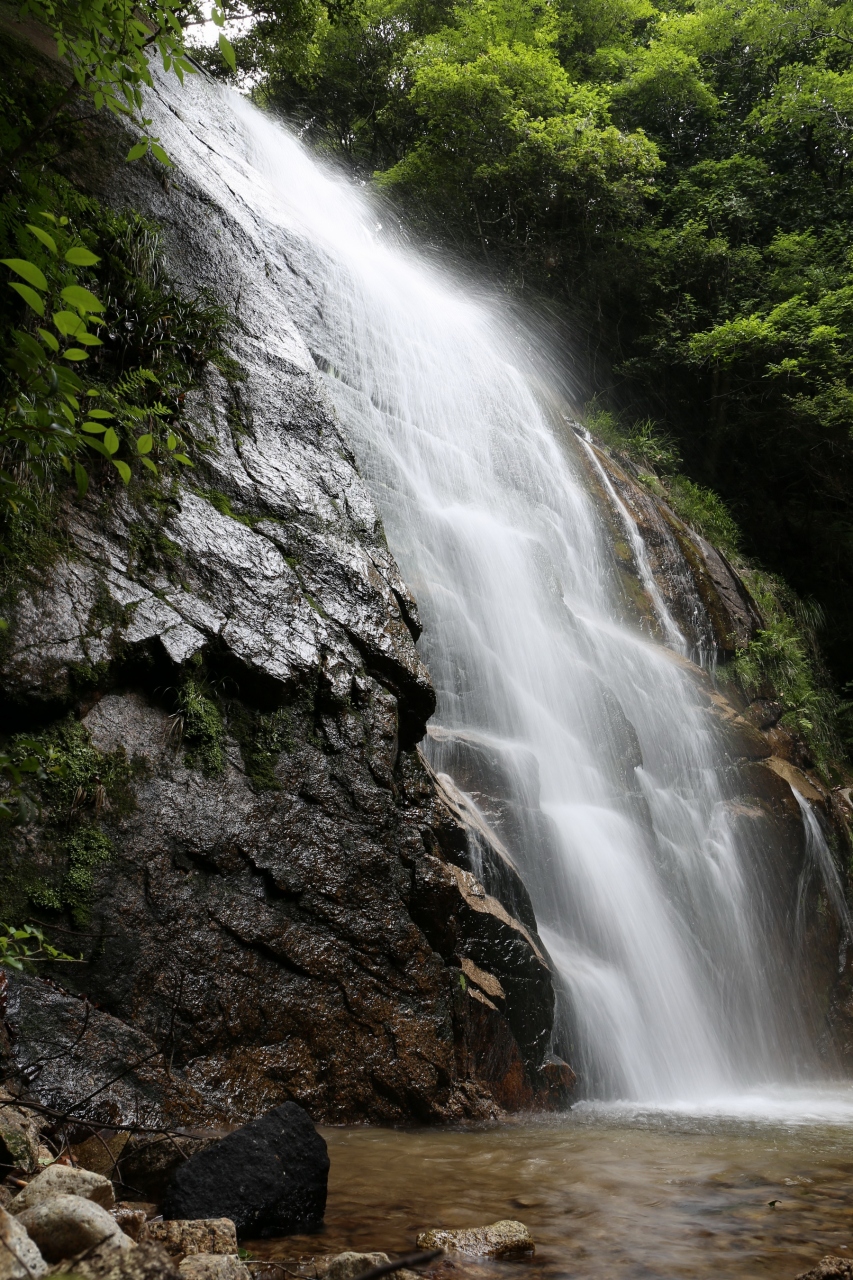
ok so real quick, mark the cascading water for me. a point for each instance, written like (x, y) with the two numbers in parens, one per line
(651, 904)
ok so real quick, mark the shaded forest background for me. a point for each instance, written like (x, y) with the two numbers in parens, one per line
(676, 176)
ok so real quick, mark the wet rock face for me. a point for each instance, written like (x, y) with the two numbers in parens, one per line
(709, 602)
(279, 914)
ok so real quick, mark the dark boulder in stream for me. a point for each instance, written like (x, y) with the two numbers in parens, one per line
(269, 1177)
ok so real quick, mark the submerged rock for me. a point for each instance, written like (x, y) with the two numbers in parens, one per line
(829, 1268)
(20, 1256)
(504, 1239)
(213, 1266)
(348, 1265)
(66, 1225)
(268, 1177)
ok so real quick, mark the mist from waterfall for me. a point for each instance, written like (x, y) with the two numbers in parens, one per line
(654, 905)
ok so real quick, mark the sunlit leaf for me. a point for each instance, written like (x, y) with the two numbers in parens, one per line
(145, 444)
(27, 270)
(78, 256)
(227, 51)
(81, 298)
(123, 469)
(75, 353)
(48, 339)
(111, 441)
(158, 151)
(45, 237)
(68, 323)
(29, 295)
(93, 428)
(137, 152)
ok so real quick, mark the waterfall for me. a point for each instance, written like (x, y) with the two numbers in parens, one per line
(648, 893)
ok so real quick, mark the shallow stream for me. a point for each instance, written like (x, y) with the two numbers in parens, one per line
(606, 1192)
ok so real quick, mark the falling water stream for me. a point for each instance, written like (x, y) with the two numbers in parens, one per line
(651, 908)
(676, 997)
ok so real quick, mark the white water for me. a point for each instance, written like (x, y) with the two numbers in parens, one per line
(651, 904)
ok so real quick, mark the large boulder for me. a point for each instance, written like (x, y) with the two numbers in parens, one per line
(20, 1258)
(64, 1180)
(269, 1177)
(67, 1225)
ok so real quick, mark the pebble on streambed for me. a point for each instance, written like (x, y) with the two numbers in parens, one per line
(504, 1239)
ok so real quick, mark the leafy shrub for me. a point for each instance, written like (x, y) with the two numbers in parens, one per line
(704, 511)
(24, 946)
(783, 663)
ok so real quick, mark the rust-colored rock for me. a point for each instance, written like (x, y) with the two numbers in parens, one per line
(180, 1238)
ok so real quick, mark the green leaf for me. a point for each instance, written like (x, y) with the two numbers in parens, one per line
(75, 353)
(123, 469)
(82, 479)
(137, 152)
(45, 237)
(152, 466)
(81, 298)
(98, 445)
(80, 257)
(68, 323)
(27, 270)
(29, 295)
(93, 428)
(182, 457)
(172, 443)
(158, 151)
(111, 441)
(88, 340)
(145, 444)
(227, 51)
(99, 413)
(49, 339)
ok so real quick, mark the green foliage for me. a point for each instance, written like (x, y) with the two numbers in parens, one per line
(705, 512)
(30, 758)
(262, 738)
(783, 663)
(124, 403)
(23, 947)
(198, 724)
(643, 442)
(74, 790)
(107, 44)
